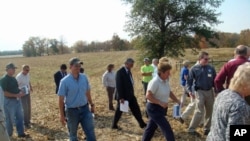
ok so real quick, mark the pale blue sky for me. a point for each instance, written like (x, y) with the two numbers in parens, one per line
(87, 20)
(235, 15)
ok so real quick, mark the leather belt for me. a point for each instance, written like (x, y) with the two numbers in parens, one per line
(10, 97)
(204, 89)
(79, 107)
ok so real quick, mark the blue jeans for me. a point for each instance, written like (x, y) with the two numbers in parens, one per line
(83, 116)
(13, 113)
(156, 115)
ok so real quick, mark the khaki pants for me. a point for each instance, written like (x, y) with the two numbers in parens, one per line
(26, 103)
(190, 110)
(3, 132)
(202, 99)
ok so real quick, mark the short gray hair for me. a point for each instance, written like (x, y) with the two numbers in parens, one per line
(74, 60)
(155, 59)
(241, 50)
(129, 60)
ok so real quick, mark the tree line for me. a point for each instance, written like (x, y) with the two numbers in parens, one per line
(234, 39)
(37, 46)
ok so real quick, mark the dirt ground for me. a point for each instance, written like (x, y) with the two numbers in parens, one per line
(45, 111)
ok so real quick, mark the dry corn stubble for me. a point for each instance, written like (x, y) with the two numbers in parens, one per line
(45, 111)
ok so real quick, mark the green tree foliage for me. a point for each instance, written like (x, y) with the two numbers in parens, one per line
(36, 46)
(79, 46)
(30, 47)
(245, 37)
(228, 39)
(41, 45)
(164, 27)
(117, 43)
(53, 45)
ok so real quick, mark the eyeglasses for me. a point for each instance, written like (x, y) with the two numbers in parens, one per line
(77, 65)
(206, 59)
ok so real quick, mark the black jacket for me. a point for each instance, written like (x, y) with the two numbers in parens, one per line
(57, 78)
(124, 85)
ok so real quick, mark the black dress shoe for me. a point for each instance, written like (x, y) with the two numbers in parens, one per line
(27, 126)
(180, 120)
(23, 136)
(116, 127)
(143, 125)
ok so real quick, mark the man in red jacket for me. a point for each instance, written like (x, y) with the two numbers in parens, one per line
(227, 71)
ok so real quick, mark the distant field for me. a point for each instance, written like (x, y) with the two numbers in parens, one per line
(45, 112)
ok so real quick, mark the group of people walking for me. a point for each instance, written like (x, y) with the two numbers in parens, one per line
(156, 91)
(213, 105)
(76, 105)
(217, 107)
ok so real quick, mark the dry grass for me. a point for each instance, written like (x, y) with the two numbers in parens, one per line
(45, 112)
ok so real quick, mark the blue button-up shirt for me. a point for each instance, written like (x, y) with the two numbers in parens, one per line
(184, 71)
(201, 77)
(74, 90)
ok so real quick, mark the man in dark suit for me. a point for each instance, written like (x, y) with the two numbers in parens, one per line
(59, 75)
(125, 91)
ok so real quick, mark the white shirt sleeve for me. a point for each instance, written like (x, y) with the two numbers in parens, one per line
(104, 79)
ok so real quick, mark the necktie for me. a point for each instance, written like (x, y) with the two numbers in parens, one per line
(130, 75)
(63, 74)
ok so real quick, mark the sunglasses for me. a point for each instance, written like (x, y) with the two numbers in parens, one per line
(77, 65)
(206, 59)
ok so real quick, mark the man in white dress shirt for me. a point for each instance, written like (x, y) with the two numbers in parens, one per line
(154, 64)
(23, 79)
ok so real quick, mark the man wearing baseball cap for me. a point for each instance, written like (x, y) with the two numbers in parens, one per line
(146, 72)
(74, 93)
(12, 102)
